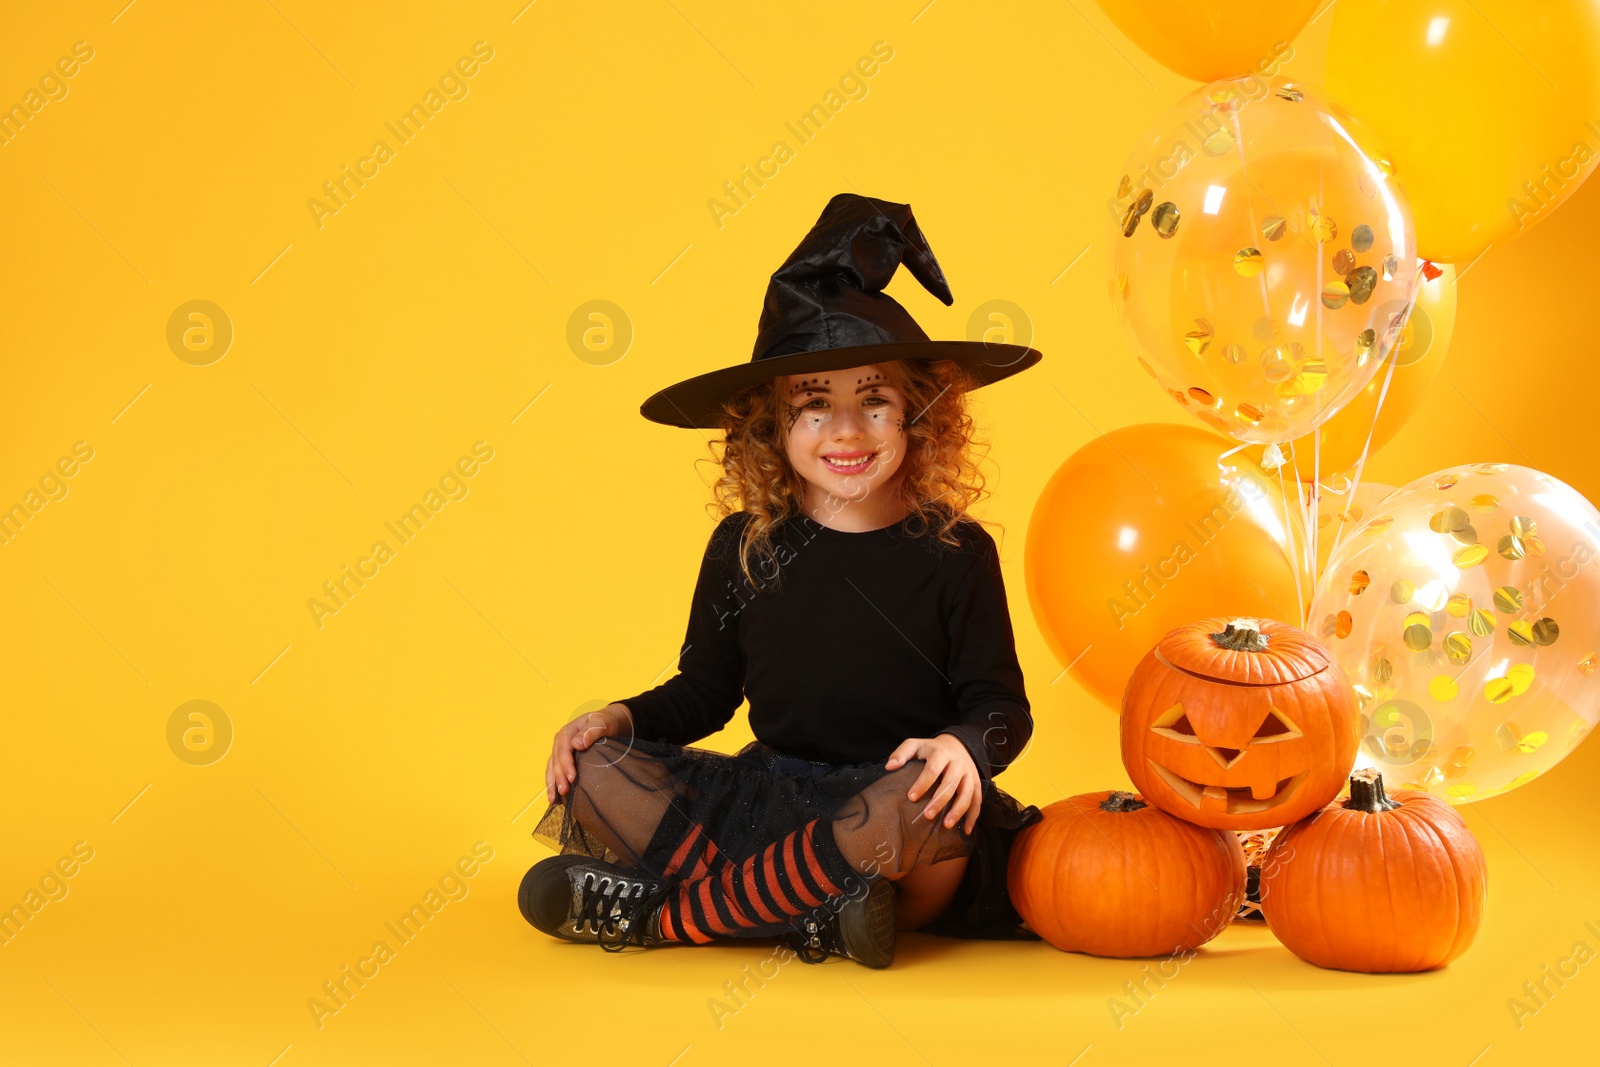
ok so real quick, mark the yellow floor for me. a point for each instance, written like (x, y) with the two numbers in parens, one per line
(195, 952)
(186, 910)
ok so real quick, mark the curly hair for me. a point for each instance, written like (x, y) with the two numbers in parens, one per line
(939, 479)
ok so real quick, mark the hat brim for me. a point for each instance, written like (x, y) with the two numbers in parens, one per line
(696, 403)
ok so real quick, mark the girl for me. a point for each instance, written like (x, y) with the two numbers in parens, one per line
(846, 593)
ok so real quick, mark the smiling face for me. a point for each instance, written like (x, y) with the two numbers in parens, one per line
(844, 434)
(1238, 724)
(1241, 766)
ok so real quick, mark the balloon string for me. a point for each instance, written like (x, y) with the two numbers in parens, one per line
(1299, 597)
(1311, 494)
(1316, 497)
(1306, 502)
(1392, 358)
(1225, 468)
(1308, 560)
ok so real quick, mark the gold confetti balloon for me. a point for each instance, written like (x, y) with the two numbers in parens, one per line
(1474, 665)
(1338, 513)
(1263, 256)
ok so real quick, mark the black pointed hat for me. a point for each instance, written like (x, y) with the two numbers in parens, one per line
(826, 310)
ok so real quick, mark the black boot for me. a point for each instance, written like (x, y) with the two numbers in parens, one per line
(862, 930)
(589, 900)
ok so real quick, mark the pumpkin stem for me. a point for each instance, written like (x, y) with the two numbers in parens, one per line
(1120, 801)
(1366, 792)
(1242, 635)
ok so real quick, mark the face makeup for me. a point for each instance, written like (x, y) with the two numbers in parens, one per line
(845, 436)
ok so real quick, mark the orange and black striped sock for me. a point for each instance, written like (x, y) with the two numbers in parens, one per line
(695, 855)
(681, 846)
(763, 895)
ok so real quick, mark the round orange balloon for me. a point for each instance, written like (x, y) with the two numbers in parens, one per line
(1136, 534)
(1418, 356)
(1210, 39)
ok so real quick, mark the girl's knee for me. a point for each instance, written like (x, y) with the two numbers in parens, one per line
(605, 752)
(613, 764)
(898, 782)
(887, 791)
(898, 785)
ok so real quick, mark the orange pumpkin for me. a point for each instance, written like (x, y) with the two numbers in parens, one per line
(1107, 874)
(1238, 724)
(1376, 884)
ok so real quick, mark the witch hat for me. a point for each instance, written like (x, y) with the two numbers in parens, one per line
(826, 310)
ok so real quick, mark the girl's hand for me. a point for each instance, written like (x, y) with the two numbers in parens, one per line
(949, 763)
(610, 721)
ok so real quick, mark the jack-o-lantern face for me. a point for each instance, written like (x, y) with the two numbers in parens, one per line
(1238, 724)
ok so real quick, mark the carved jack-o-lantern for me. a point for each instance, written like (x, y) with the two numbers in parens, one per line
(1238, 724)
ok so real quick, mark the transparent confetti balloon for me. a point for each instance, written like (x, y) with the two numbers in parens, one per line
(1465, 608)
(1263, 257)
(1339, 513)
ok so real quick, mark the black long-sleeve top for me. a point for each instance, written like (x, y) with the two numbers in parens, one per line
(870, 639)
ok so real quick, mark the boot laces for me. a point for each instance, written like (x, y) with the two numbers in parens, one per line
(816, 940)
(617, 908)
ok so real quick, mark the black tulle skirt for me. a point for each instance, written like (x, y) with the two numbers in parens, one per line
(749, 799)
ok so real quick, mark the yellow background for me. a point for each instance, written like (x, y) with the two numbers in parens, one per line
(369, 354)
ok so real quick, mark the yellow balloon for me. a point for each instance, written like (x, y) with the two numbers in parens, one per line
(1136, 535)
(1488, 106)
(1210, 40)
(1259, 257)
(1465, 610)
(1418, 356)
